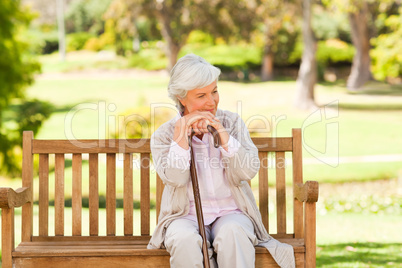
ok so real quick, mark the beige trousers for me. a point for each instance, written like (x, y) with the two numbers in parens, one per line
(232, 237)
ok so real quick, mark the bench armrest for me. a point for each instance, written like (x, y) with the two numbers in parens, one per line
(11, 199)
(307, 192)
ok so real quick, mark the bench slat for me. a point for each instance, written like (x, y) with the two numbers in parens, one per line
(93, 195)
(263, 188)
(128, 194)
(59, 195)
(110, 248)
(297, 178)
(273, 144)
(136, 145)
(145, 194)
(43, 194)
(91, 146)
(111, 194)
(27, 181)
(77, 194)
(280, 192)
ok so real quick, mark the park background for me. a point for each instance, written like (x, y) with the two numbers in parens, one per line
(81, 68)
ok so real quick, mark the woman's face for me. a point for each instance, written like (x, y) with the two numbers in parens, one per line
(202, 99)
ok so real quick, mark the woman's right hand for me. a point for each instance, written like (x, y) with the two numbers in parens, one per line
(197, 120)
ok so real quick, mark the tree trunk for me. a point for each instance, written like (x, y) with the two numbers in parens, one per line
(267, 69)
(61, 29)
(172, 54)
(360, 72)
(173, 45)
(307, 76)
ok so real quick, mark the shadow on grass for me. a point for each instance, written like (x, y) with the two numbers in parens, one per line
(360, 255)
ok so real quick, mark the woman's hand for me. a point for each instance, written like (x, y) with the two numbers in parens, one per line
(198, 121)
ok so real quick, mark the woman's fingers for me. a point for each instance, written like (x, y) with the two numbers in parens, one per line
(200, 126)
(199, 120)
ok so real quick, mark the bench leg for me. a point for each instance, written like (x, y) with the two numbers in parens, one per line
(7, 232)
(310, 234)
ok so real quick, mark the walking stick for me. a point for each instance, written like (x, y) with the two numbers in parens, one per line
(196, 191)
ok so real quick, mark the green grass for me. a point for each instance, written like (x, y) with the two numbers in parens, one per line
(359, 240)
(82, 60)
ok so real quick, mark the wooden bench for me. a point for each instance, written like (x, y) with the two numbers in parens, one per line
(42, 249)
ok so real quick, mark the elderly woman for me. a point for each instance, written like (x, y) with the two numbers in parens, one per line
(231, 217)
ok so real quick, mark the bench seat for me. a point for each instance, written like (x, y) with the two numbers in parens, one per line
(104, 252)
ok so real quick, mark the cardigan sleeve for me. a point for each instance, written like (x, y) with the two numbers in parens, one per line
(244, 164)
(167, 168)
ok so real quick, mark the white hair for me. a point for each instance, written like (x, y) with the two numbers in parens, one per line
(190, 72)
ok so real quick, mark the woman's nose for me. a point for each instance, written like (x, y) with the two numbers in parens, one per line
(211, 100)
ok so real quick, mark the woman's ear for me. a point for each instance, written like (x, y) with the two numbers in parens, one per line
(182, 101)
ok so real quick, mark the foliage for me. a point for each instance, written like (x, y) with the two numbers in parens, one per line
(76, 41)
(329, 52)
(27, 115)
(86, 16)
(176, 19)
(44, 42)
(228, 57)
(330, 25)
(354, 203)
(387, 54)
(150, 57)
(140, 122)
(17, 69)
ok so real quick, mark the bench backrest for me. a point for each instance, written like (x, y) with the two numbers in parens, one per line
(66, 152)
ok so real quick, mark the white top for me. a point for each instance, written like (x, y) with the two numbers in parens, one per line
(216, 197)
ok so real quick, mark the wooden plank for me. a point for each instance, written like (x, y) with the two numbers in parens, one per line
(90, 238)
(93, 195)
(263, 188)
(159, 191)
(43, 194)
(128, 194)
(90, 243)
(99, 262)
(310, 233)
(273, 144)
(27, 181)
(145, 194)
(280, 192)
(297, 178)
(7, 232)
(77, 194)
(111, 194)
(54, 246)
(136, 145)
(59, 195)
(91, 146)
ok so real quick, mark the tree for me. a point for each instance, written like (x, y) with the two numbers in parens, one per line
(273, 14)
(362, 16)
(16, 72)
(177, 18)
(358, 18)
(307, 76)
(387, 60)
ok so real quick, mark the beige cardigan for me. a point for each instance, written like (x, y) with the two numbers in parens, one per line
(239, 169)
